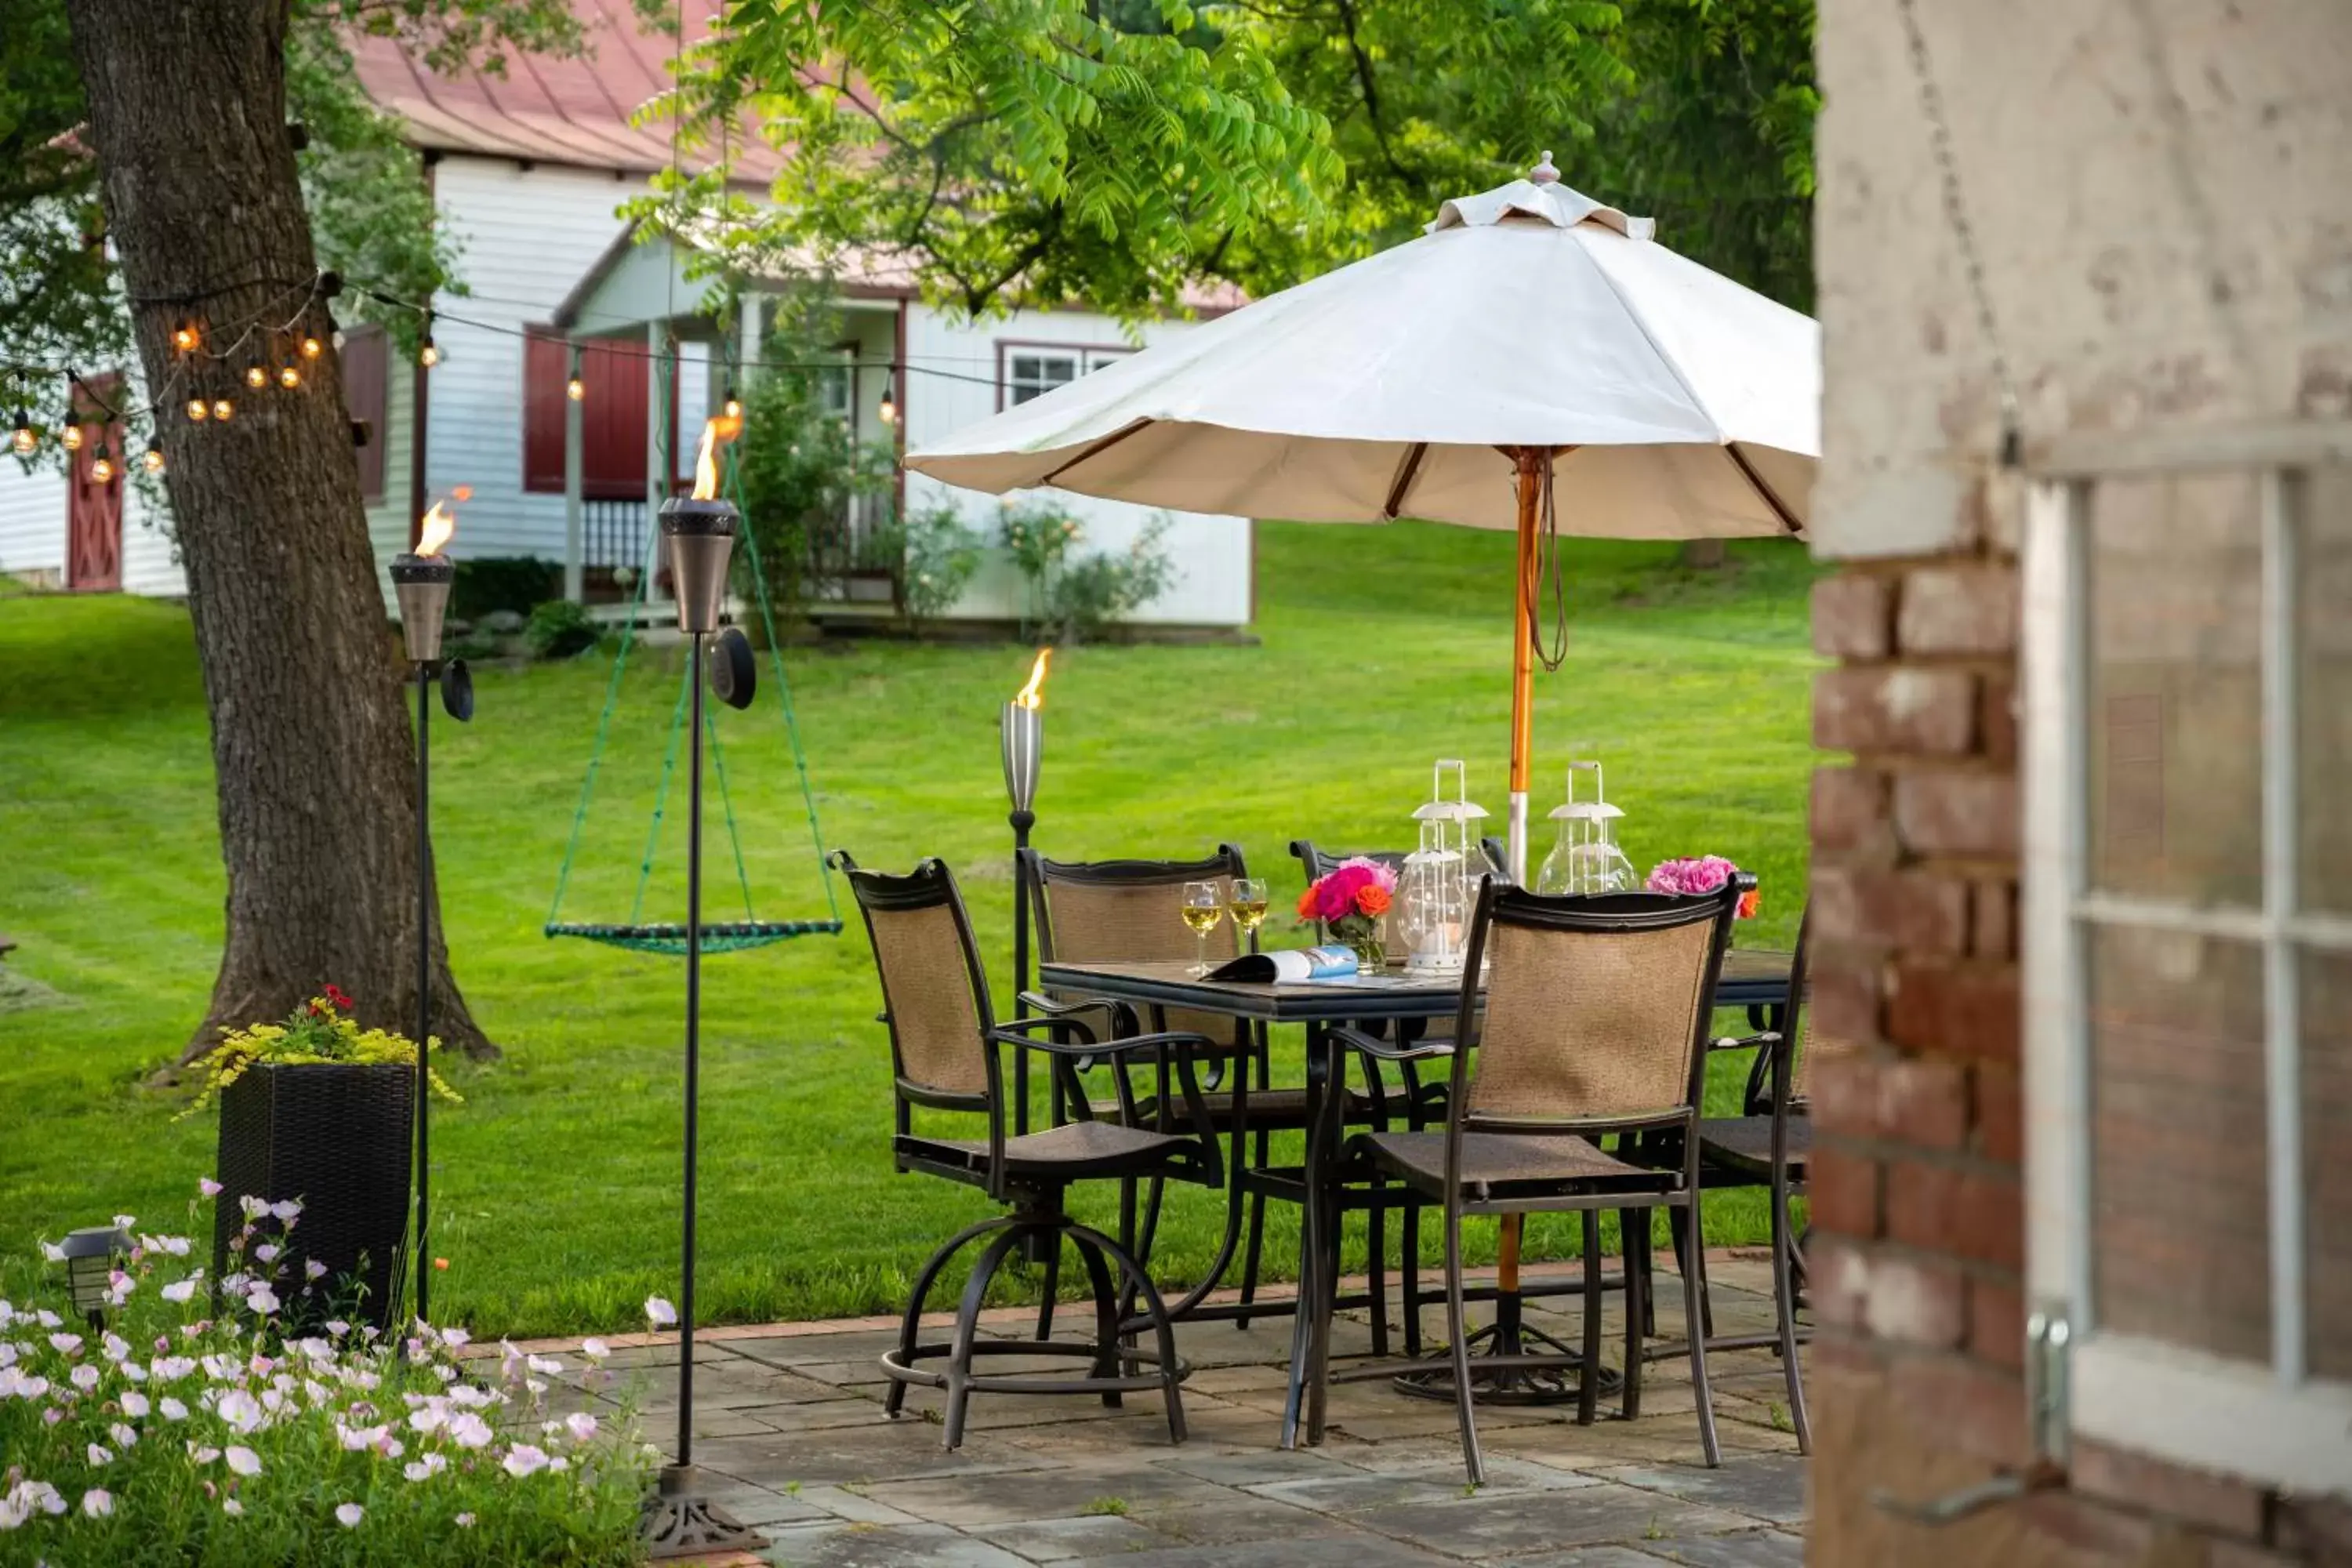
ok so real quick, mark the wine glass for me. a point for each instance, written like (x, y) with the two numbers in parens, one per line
(1245, 901)
(1205, 906)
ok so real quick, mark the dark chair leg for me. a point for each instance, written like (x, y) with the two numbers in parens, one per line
(1637, 1304)
(1052, 1281)
(1376, 1244)
(1107, 1315)
(1457, 1331)
(1171, 1372)
(1409, 1273)
(1140, 1243)
(1588, 1381)
(896, 1399)
(1693, 1262)
(1784, 1303)
(1256, 1250)
(1638, 1253)
(967, 1328)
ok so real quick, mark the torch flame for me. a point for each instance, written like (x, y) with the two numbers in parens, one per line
(434, 532)
(1032, 696)
(706, 463)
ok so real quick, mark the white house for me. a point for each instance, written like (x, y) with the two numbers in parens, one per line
(529, 170)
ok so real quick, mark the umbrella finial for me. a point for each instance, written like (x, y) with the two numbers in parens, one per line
(1543, 173)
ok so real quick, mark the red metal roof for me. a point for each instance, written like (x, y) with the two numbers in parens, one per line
(557, 110)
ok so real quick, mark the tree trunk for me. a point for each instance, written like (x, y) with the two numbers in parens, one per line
(311, 737)
(1705, 554)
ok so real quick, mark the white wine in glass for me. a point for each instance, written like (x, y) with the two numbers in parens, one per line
(1246, 903)
(1203, 907)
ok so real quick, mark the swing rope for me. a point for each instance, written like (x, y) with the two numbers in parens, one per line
(716, 937)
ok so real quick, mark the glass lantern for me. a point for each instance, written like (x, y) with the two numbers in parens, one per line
(1439, 889)
(1587, 858)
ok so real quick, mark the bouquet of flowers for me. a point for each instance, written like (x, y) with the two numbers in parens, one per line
(1350, 900)
(320, 1030)
(1703, 874)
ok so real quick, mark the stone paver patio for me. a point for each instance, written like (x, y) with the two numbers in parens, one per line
(790, 1437)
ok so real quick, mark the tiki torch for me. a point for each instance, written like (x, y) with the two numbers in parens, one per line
(420, 581)
(1024, 744)
(700, 531)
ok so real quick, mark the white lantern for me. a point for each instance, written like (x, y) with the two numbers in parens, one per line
(1439, 889)
(1587, 858)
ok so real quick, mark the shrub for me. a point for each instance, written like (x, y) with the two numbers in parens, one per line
(560, 628)
(939, 554)
(515, 582)
(173, 1436)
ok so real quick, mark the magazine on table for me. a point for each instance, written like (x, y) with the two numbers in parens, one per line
(1291, 965)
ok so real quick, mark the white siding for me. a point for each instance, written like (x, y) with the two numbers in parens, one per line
(150, 562)
(31, 520)
(524, 238)
(387, 519)
(1212, 554)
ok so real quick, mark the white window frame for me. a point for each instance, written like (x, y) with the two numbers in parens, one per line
(1084, 361)
(2272, 1424)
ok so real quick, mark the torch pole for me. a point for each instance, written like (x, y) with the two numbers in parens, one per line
(1022, 821)
(693, 1057)
(424, 977)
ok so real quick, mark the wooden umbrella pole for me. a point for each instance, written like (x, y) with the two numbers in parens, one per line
(1531, 462)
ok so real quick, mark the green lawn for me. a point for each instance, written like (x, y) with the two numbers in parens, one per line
(556, 1183)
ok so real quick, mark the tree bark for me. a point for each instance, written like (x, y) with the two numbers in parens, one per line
(311, 737)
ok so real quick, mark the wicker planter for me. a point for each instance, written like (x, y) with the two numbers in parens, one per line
(336, 1138)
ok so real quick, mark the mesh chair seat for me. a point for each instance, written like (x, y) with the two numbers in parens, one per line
(1073, 1150)
(1274, 1109)
(1505, 1161)
(1744, 1144)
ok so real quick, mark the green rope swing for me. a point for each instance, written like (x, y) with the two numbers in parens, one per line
(727, 936)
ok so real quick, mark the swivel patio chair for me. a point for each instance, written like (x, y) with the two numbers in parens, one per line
(1115, 911)
(1770, 1145)
(1595, 1025)
(945, 1050)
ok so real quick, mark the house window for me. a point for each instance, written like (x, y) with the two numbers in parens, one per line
(612, 416)
(367, 377)
(1032, 370)
(2189, 970)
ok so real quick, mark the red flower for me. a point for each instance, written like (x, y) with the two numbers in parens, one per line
(335, 994)
(1372, 900)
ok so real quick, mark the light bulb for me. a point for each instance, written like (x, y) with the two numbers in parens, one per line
(223, 408)
(734, 405)
(197, 409)
(889, 412)
(23, 438)
(575, 389)
(154, 458)
(70, 438)
(101, 468)
(312, 348)
(290, 378)
(429, 355)
(256, 377)
(185, 337)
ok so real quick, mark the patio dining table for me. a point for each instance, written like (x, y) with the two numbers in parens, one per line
(1752, 978)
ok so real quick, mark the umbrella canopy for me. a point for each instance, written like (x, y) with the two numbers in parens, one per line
(1682, 406)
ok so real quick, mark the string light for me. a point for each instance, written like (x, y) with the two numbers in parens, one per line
(153, 458)
(312, 348)
(70, 438)
(290, 378)
(890, 398)
(197, 409)
(223, 408)
(733, 406)
(429, 355)
(575, 389)
(256, 377)
(101, 468)
(23, 438)
(185, 337)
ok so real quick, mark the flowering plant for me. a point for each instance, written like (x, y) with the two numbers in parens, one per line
(1349, 899)
(320, 1030)
(172, 1434)
(1700, 875)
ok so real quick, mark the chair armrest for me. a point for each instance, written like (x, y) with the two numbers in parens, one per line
(1008, 1034)
(1387, 1051)
(1743, 1042)
(1011, 1031)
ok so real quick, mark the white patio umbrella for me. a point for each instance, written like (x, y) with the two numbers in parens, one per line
(1531, 335)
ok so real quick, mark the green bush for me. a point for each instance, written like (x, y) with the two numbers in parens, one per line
(190, 1431)
(560, 628)
(1071, 597)
(516, 582)
(939, 554)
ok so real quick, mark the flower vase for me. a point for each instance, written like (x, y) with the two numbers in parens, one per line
(1371, 953)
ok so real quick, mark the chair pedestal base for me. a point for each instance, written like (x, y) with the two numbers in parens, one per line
(1114, 1368)
(1498, 1372)
(677, 1521)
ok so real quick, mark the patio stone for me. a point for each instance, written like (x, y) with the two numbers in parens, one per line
(1480, 1527)
(1353, 1550)
(883, 1546)
(1743, 1549)
(1064, 1492)
(1058, 1539)
(887, 1451)
(1763, 1485)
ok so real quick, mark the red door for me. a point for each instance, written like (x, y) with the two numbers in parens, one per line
(94, 513)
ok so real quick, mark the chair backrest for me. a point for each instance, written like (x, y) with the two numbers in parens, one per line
(934, 993)
(1130, 911)
(1317, 862)
(1799, 1016)
(1596, 1008)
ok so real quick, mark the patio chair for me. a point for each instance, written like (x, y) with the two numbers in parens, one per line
(1770, 1145)
(1594, 1026)
(945, 1046)
(1113, 911)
